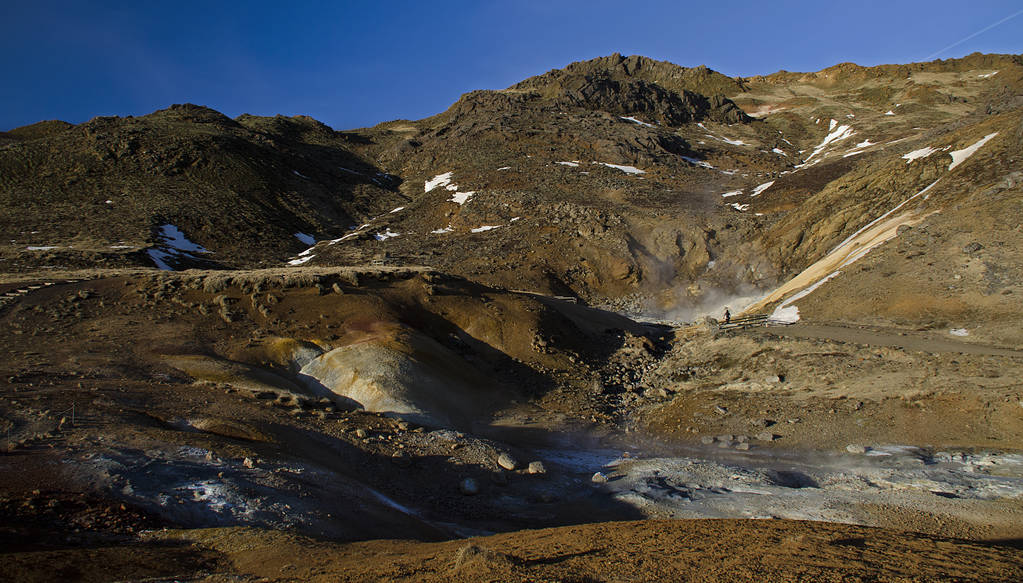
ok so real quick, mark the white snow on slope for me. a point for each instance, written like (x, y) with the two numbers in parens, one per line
(786, 313)
(307, 239)
(859, 148)
(505, 168)
(697, 162)
(831, 127)
(399, 209)
(739, 207)
(300, 260)
(461, 197)
(959, 332)
(837, 135)
(625, 169)
(636, 121)
(987, 75)
(572, 164)
(960, 156)
(172, 237)
(779, 151)
(731, 193)
(387, 234)
(733, 142)
(879, 219)
(41, 247)
(761, 188)
(446, 229)
(438, 180)
(889, 112)
(485, 228)
(921, 153)
(299, 174)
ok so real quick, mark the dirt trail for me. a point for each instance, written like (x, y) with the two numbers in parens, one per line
(878, 338)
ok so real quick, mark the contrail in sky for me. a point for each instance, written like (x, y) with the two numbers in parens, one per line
(982, 31)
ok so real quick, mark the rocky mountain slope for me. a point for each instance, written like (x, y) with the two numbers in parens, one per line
(263, 334)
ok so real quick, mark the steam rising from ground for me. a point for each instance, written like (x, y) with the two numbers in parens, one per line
(682, 305)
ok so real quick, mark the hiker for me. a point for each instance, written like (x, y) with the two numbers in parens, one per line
(728, 316)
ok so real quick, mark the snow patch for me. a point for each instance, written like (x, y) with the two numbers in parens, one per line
(889, 112)
(733, 142)
(461, 197)
(959, 332)
(761, 188)
(987, 75)
(731, 193)
(921, 153)
(307, 239)
(960, 156)
(625, 169)
(739, 206)
(786, 315)
(172, 237)
(485, 228)
(504, 168)
(831, 127)
(446, 229)
(779, 151)
(636, 121)
(300, 260)
(299, 174)
(837, 135)
(438, 180)
(399, 209)
(572, 164)
(697, 162)
(385, 235)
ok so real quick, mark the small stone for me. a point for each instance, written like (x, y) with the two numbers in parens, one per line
(724, 444)
(854, 448)
(706, 440)
(249, 463)
(536, 468)
(742, 438)
(401, 460)
(744, 446)
(720, 410)
(404, 425)
(469, 487)
(361, 433)
(726, 437)
(506, 461)
(765, 436)
(598, 478)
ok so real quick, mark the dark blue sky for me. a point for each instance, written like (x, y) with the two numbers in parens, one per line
(352, 64)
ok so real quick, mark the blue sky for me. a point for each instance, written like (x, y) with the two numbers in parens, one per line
(353, 64)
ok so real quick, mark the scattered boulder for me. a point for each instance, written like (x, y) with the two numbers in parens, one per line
(598, 478)
(506, 461)
(855, 448)
(765, 436)
(536, 467)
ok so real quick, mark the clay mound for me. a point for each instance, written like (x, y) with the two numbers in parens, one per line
(408, 374)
